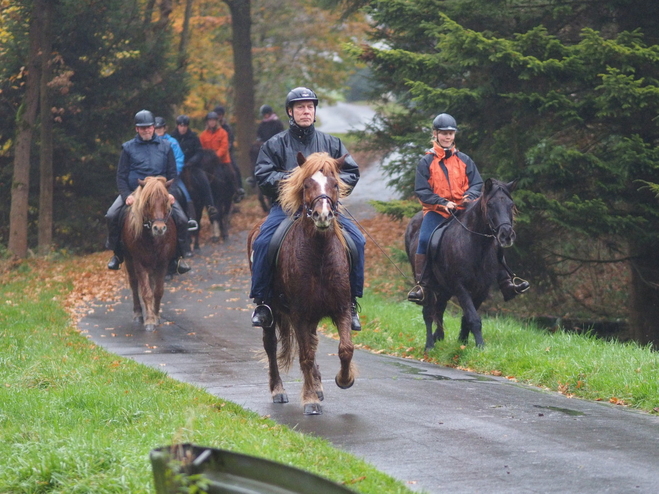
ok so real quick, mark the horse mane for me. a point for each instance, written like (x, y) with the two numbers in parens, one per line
(152, 191)
(291, 188)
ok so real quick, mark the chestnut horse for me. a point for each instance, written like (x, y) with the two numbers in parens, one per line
(149, 239)
(467, 261)
(311, 279)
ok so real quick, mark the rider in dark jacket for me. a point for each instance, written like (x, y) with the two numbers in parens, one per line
(143, 156)
(192, 149)
(277, 157)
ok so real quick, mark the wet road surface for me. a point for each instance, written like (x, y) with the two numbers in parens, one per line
(437, 429)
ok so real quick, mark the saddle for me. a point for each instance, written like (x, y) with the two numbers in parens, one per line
(282, 230)
(435, 241)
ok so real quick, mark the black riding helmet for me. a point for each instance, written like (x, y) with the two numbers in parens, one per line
(300, 94)
(144, 118)
(444, 121)
(265, 109)
(160, 123)
(212, 115)
(183, 120)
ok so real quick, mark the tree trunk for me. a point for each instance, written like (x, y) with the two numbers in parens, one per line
(46, 154)
(27, 114)
(243, 80)
(644, 295)
(185, 36)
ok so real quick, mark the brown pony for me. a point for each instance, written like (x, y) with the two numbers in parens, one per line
(149, 239)
(311, 279)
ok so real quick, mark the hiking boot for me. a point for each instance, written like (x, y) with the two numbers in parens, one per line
(355, 323)
(114, 263)
(262, 316)
(178, 266)
(510, 289)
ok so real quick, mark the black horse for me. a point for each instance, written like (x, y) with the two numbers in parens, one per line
(223, 188)
(468, 260)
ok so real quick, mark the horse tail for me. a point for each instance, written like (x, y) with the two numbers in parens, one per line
(287, 344)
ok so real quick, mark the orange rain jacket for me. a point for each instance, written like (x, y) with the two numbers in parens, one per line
(440, 179)
(218, 141)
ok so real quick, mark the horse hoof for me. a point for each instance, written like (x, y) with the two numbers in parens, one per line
(342, 386)
(138, 319)
(313, 409)
(149, 328)
(280, 398)
(320, 395)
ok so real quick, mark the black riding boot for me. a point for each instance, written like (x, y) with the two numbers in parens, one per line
(178, 265)
(262, 316)
(417, 294)
(355, 323)
(510, 289)
(113, 241)
(240, 192)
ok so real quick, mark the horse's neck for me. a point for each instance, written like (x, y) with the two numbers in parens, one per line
(474, 218)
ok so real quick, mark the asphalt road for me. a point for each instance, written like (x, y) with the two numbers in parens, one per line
(437, 429)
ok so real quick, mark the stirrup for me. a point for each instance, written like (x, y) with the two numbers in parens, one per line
(193, 226)
(412, 295)
(263, 320)
(521, 285)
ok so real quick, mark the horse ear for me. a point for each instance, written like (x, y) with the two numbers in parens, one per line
(141, 182)
(511, 186)
(300, 159)
(169, 183)
(488, 186)
(341, 161)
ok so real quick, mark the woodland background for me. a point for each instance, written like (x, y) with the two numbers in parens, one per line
(562, 95)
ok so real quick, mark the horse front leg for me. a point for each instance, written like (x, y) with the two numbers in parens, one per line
(147, 296)
(471, 321)
(346, 375)
(307, 344)
(134, 287)
(158, 287)
(270, 346)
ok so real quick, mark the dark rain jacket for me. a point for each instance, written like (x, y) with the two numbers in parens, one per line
(440, 179)
(278, 156)
(190, 145)
(140, 159)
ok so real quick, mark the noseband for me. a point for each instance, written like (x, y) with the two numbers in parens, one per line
(310, 207)
(149, 223)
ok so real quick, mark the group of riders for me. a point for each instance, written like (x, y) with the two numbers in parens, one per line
(446, 180)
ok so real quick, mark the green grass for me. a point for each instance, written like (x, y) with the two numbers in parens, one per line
(577, 365)
(77, 419)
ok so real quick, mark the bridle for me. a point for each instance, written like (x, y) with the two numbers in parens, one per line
(308, 208)
(149, 223)
(493, 229)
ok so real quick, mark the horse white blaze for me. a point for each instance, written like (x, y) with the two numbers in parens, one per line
(324, 217)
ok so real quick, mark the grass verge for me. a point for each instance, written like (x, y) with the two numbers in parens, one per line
(77, 419)
(576, 365)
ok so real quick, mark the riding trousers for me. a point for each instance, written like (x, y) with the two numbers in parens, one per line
(115, 215)
(431, 221)
(262, 272)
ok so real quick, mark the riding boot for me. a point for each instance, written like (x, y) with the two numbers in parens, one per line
(355, 324)
(510, 289)
(178, 265)
(113, 241)
(417, 294)
(192, 223)
(239, 195)
(115, 262)
(262, 316)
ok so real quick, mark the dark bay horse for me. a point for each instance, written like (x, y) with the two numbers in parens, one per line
(311, 280)
(149, 239)
(223, 187)
(467, 262)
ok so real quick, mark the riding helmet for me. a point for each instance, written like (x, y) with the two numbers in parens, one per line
(265, 110)
(144, 118)
(211, 115)
(301, 94)
(160, 122)
(444, 121)
(219, 109)
(183, 120)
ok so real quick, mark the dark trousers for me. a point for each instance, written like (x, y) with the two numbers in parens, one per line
(262, 272)
(114, 218)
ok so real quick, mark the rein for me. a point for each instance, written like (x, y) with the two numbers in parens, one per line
(149, 223)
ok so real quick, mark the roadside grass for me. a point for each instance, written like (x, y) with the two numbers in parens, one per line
(576, 365)
(77, 419)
